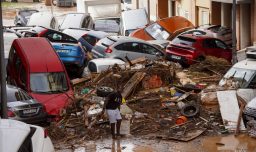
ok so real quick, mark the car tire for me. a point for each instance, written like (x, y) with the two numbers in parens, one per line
(104, 91)
(190, 110)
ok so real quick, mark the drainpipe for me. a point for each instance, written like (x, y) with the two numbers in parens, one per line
(2, 71)
(234, 53)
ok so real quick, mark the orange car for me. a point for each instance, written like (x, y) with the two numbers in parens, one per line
(164, 29)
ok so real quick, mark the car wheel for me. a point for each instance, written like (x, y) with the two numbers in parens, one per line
(104, 91)
(190, 110)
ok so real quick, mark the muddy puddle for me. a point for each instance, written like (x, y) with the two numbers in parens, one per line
(241, 143)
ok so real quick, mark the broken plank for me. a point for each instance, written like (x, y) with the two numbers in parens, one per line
(229, 109)
(79, 80)
(132, 83)
(135, 61)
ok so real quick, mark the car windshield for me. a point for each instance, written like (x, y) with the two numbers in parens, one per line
(157, 32)
(48, 82)
(184, 41)
(17, 95)
(241, 76)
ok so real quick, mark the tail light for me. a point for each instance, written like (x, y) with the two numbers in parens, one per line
(10, 113)
(45, 133)
(108, 50)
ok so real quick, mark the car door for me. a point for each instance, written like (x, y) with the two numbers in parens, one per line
(224, 51)
(130, 49)
(150, 52)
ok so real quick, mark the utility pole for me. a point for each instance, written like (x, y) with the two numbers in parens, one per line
(234, 53)
(2, 70)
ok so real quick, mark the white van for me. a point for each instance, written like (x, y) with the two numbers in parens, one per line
(132, 20)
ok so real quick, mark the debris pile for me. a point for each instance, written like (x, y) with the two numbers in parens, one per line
(165, 101)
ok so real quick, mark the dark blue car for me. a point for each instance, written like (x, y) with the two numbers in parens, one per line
(68, 48)
(87, 38)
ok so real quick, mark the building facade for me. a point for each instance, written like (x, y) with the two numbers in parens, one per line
(201, 12)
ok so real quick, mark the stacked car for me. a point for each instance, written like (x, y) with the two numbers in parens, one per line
(46, 55)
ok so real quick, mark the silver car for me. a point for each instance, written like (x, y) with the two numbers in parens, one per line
(120, 47)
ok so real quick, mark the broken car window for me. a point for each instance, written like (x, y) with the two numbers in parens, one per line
(157, 32)
(241, 76)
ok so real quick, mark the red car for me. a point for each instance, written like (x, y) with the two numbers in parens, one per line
(34, 66)
(187, 49)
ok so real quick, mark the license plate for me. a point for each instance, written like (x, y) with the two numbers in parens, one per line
(29, 111)
(62, 51)
(175, 57)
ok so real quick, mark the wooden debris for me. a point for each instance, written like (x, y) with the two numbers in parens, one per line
(136, 61)
(242, 106)
(132, 83)
(79, 80)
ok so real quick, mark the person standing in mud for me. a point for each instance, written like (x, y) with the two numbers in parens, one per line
(112, 106)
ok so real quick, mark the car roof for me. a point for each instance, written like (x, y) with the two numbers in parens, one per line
(126, 39)
(41, 18)
(246, 64)
(40, 55)
(98, 34)
(79, 32)
(196, 37)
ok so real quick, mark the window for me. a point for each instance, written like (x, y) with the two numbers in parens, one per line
(148, 49)
(132, 47)
(48, 82)
(220, 44)
(184, 41)
(157, 32)
(90, 39)
(240, 76)
(86, 22)
(16, 95)
(12, 54)
(253, 83)
(23, 76)
(92, 67)
(209, 43)
(59, 37)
